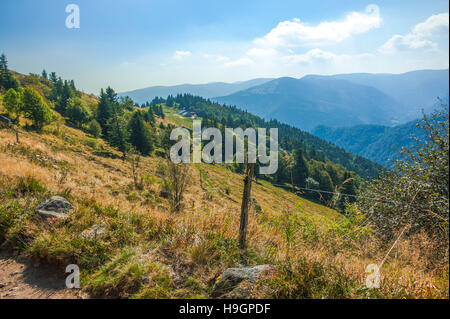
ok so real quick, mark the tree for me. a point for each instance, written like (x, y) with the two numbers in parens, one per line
(104, 110)
(66, 94)
(140, 136)
(94, 128)
(36, 109)
(149, 116)
(300, 169)
(117, 131)
(326, 185)
(53, 78)
(13, 102)
(77, 111)
(415, 194)
(127, 103)
(44, 74)
(175, 180)
(7, 80)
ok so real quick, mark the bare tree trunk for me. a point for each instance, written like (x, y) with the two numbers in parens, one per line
(244, 208)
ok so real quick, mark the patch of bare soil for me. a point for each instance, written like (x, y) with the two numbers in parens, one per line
(21, 278)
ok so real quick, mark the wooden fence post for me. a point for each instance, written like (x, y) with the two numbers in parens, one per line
(244, 208)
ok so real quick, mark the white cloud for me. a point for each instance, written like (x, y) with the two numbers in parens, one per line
(239, 62)
(262, 52)
(318, 55)
(420, 37)
(217, 58)
(436, 25)
(179, 55)
(296, 33)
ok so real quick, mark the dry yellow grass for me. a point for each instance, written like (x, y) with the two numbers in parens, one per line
(65, 161)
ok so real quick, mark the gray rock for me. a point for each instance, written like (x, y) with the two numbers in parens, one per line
(96, 231)
(233, 277)
(164, 194)
(56, 206)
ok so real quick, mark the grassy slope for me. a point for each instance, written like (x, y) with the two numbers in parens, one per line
(148, 252)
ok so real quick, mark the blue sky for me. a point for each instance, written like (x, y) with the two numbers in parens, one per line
(136, 43)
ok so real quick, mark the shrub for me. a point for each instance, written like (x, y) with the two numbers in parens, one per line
(94, 128)
(36, 109)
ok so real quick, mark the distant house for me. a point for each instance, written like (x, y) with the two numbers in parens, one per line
(187, 114)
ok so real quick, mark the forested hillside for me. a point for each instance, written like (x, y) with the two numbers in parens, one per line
(290, 138)
(381, 144)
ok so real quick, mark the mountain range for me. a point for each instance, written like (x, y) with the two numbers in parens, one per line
(335, 101)
(315, 100)
(207, 90)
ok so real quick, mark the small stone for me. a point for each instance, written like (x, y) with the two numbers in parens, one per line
(96, 231)
(164, 194)
(56, 206)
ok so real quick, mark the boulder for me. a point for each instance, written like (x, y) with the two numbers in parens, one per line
(238, 282)
(56, 206)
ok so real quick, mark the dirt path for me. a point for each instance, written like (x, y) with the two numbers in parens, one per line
(21, 279)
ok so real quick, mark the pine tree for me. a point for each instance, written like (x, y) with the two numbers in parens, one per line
(53, 77)
(66, 94)
(140, 136)
(150, 116)
(300, 169)
(117, 130)
(7, 80)
(104, 111)
(44, 74)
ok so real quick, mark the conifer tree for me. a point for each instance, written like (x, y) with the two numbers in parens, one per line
(7, 80)
(140, 136)
(300, 169)
(104, 111)
(117, 130)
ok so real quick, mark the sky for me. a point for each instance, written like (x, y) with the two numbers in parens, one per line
(138, 43)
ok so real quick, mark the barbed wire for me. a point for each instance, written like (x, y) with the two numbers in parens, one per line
(386, 201)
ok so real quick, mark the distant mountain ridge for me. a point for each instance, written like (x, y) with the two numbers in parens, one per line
(378, 143)
(335, 101)
(207, 90)
(314, 100)
(414, 90)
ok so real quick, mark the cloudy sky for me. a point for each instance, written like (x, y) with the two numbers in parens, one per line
(136, 43)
